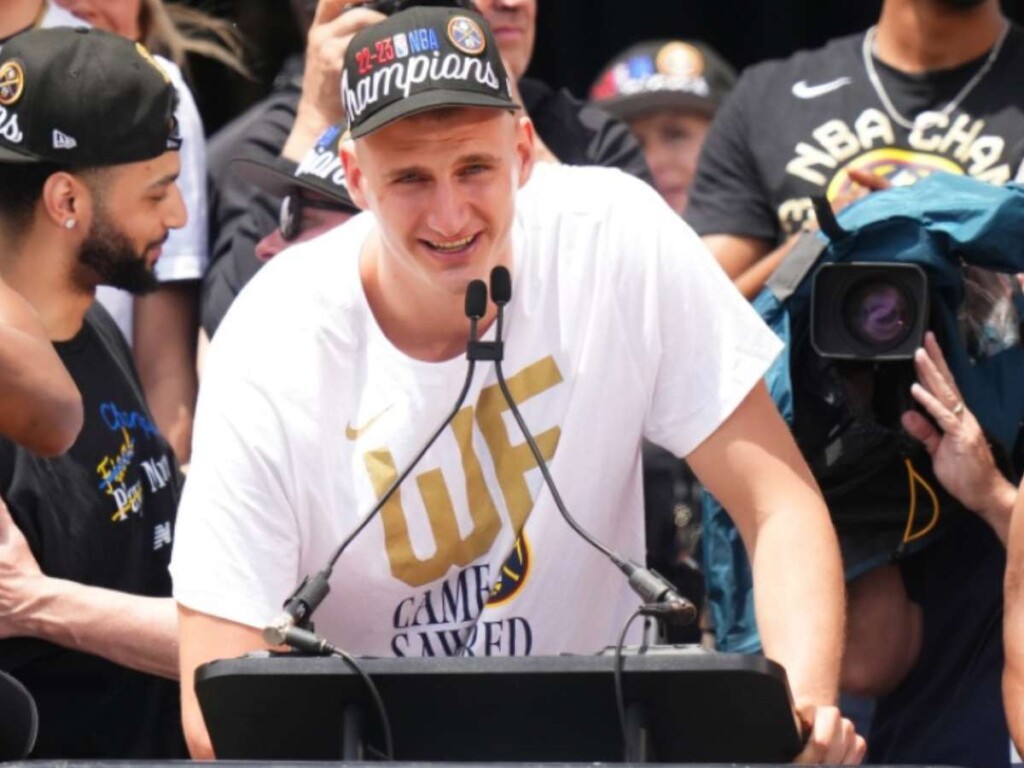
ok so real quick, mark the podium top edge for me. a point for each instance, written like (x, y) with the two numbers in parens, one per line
(688, 662)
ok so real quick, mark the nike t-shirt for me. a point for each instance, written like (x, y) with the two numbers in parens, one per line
(621, 326)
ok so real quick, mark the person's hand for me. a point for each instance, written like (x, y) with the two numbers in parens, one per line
(320, 105)
(831, 739)
(20, 578)
(864, 183)
(961, 458)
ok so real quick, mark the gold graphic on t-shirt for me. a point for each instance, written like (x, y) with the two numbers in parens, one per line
(960, 139)
(899, 167)
(958, 144)
(514, 461)
(451, 549)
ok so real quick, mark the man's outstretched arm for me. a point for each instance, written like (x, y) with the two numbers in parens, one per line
(130, 630)
(752, 465)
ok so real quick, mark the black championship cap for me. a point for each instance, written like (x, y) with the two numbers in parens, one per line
(420, 59)
(320, 171)
(83, 98)
(663, 74)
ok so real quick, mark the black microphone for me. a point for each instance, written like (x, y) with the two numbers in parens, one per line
(652, 588)
(299, 607)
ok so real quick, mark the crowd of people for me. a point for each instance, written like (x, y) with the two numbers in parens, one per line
(219, 354)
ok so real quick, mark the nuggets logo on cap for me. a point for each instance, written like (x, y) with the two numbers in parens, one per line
(680, 60)
(12, 83)
(466, 35)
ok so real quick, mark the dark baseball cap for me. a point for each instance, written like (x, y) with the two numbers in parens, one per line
(320, 171)
(420, 59)
(83, 98)
(663, 74)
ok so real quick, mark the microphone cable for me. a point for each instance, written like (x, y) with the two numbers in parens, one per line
(649, 585)
(620, 697)
(288, 628)
(299, 607)
(318, 646)
(501, 294)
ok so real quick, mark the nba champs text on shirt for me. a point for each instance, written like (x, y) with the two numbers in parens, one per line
(793, 129)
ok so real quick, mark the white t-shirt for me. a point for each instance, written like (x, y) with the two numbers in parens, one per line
(621, 326)
(185, 254)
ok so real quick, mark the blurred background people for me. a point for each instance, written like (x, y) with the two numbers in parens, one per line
(172, 30)
(667, 92)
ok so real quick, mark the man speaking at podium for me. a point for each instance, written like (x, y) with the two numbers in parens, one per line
(345, 353)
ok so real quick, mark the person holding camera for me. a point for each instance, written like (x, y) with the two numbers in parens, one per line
(927, 89)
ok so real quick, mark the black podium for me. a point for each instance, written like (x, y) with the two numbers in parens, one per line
(690, 705)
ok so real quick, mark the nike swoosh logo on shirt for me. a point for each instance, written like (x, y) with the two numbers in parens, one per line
(353, 433)
(803, 90)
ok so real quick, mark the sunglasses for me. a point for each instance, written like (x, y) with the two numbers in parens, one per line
(293, 206)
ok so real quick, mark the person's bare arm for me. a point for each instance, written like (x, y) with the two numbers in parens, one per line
(750, 261)
(165, 328)
(205, 638)
(42, 408)
(133, 631)
(1013, 625)
(736, 254)
(752, 465)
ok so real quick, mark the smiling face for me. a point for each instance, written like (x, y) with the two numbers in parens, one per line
(134, 207)
(442, 186)
(514, 23)
(671, 142)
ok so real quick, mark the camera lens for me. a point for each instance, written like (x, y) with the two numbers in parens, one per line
(878, 313)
